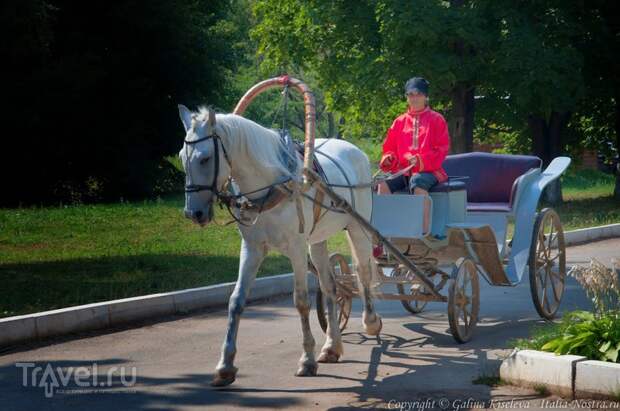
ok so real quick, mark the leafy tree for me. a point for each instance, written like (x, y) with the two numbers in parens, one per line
(363, 52)
(536, 70)
(598, 124)
(93, 88)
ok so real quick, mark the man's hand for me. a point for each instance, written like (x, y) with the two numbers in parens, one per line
(411, 158)
(387, 161)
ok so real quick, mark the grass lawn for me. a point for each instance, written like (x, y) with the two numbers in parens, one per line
(62, 256)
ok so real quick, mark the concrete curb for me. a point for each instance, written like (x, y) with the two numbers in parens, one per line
(535, 369)
(597, 379)
(570, 376)
(111, 313)
(585, 235)
(117, 312)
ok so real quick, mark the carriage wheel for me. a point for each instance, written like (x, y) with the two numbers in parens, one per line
(415, 306)
(547, 263)
(344, 300)
(463, 300)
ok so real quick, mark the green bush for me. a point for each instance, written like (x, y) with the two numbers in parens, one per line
(582, 333)
(579, 333)
(594, 335)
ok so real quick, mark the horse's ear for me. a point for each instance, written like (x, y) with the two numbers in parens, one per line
(211, 117)
(186, 117)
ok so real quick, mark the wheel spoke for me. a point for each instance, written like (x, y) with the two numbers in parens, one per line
(551, 232)
(542, 249)
(560, 253)
(465, 320)
(464, 286)
(547, 233)
(546, 300)
(554, 289)
(539, 277)
(558, 288)
(344, 314)
(553, 241)
(556, 274)
(541, 241)
(544, 291)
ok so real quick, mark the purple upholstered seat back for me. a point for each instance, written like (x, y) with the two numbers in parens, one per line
(491, 176)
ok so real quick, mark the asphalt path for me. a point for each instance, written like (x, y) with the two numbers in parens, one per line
(414, 363)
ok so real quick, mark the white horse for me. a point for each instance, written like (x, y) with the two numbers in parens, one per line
(227, 145)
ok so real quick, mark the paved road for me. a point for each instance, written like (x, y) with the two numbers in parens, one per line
(414, 359)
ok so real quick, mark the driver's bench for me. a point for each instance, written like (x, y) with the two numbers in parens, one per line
(482, 189)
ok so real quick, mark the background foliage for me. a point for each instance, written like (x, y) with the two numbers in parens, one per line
(91, 88)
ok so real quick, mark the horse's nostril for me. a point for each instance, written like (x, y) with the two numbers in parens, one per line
(198, 215)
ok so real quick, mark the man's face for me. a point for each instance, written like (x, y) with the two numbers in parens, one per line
(416, 100)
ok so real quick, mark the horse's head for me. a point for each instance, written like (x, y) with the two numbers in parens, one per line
(205, 164)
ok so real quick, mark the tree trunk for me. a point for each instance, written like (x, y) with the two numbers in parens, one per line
(617, 126)
(331, 125)
(547, 144)
(340, 127)
(540, 135)
(461, 124)
(557, 125)
(617, 187)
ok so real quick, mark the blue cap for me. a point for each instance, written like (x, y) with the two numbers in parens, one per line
(417, 84)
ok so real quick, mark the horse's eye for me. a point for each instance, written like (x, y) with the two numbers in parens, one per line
(203, 161)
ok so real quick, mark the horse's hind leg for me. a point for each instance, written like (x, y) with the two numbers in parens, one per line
(361, 250)
(251, 257)
(299, 260)
(332, 349)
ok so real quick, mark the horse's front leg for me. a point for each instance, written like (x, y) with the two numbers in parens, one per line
(251, 257)
(299, 260)
(361, 250)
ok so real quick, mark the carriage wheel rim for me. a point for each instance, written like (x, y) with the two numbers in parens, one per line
(344, 297)
(550, 264)
(343, 305)
(416, 306)
(464, 301)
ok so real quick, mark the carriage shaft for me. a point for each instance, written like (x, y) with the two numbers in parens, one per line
(344, 205)
(404, 297)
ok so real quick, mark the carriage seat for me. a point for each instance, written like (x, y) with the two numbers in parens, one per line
(448, 186)
(491, 180)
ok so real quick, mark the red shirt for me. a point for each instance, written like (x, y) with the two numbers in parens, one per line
(423, 134)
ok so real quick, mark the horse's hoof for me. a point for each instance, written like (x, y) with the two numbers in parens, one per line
(374, 328)
(223, 378)
(307, 370)
(329, 356)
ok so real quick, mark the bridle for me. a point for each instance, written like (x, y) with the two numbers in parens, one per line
(270, 200)
(195, 188)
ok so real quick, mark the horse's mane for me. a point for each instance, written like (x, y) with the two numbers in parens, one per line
(245, 137)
